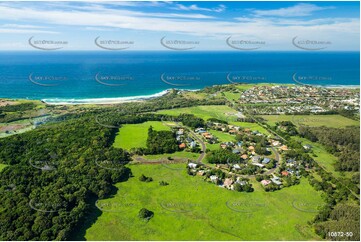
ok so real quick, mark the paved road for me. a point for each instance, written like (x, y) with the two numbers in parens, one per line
(203, 146)
(194, 135)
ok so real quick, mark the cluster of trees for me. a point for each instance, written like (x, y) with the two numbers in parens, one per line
(243, 188)
(222, 156)
(287, 127)
(41, 204)
(338, 214)
(343, 143)
(160, 142)
(18, 107)
(144, 178)
(191, 121)
(145, 214)
(343, 218)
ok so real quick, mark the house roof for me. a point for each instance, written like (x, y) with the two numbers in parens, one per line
(266, 160)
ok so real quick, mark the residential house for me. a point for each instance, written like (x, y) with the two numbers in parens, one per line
(214, 178)
(265, 182)
(266, 160)
(227, 183)
(256, 159)
(285, 173)
(244, 156)
(192, 165)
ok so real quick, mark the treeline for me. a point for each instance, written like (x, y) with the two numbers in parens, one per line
(160, 142)
(335, 214)
(17, 107)
(222, 156)
(343, 143)
(57, 173)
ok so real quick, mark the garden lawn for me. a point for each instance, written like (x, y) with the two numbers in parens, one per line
(135, 135)
(192, 209)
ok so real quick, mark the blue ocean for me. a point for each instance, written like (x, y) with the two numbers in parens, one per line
(87, 77)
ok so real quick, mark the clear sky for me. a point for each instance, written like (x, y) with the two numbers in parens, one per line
(209, 23)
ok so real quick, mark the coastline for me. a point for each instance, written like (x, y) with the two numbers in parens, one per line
(141, 98)
(116, 100)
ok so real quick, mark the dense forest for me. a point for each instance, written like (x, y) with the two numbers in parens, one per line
(343, 143)
(54, 178)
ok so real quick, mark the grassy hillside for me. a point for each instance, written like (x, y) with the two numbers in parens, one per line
(191, 209)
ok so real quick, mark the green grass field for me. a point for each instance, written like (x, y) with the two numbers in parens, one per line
(135, 135)
(204, 112)
(323, 158)
(191, 209)
(335, 121)
(213, 111)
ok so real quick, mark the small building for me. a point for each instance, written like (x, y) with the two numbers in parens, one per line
(182, 146)
(256, 158)
(214, 178)
(180, 131)
(276, 181)
(236, 166)
(276, 143)
(251, 148)
(193, 144)
(265, 182)
(284, 148)
(266, 160)
(285, 173)
(307, 147)
(227, 183)
(244, 156)
(192, 165)
(236, 151)
(201, 173)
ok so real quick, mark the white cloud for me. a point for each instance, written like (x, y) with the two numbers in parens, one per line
(299, 10)
(194, 7)
(344, 32)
